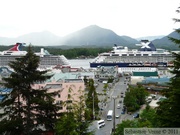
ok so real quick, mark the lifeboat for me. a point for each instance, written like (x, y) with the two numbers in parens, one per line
(147, 64)
(170, 64)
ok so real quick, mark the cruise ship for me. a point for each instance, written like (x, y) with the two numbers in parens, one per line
(146, 56)
(46, 60)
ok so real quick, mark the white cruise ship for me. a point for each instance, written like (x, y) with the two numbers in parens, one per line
(46, 60)
(146, 56)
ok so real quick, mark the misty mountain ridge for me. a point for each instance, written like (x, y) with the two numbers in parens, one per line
(150, 38)
(92, 35)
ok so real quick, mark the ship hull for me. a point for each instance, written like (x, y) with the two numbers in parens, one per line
(158, 64)
(46, 61)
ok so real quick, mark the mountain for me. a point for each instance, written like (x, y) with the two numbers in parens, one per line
(150, 38)
(95, 35)
(39, 38)
(35, 38)
(165, 42)
(130, 40)
(92, 35)
(7, 41)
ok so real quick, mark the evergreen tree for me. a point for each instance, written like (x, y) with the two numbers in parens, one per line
(168, 112)
(92, 98)
(80, 115)
(66, 125)
(85, 80)
(27, 110)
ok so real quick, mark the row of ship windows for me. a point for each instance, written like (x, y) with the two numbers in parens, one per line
(135, 69)
(138, 55)
(42, 59)
(138, 59)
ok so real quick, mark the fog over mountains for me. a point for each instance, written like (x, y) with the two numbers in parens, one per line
(91, 35)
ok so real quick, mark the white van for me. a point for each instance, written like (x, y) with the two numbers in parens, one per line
(100, 124)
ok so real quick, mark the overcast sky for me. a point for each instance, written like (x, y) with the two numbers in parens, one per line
(134, 18)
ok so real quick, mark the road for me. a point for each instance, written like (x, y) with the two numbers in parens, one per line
(116, 90)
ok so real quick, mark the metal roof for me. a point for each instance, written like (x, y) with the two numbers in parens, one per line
(146, 74)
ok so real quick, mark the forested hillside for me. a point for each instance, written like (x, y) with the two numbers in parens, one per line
(79, 52)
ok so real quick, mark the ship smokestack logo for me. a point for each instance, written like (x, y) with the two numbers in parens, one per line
(17, 47)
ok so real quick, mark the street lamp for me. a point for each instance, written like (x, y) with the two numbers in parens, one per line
(114, 124)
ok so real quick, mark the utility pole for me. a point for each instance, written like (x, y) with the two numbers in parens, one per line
(114, 122)
(93, 108)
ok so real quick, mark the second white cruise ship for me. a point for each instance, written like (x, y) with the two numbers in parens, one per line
(147, 56)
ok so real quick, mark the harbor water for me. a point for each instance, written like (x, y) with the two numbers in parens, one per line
(78, 63)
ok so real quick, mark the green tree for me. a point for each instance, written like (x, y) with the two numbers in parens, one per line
(168, 112)
(80, 115)
(126, 124)
(147, 120)
(66, 125)
(130, 102)
(85, 80)
(26, 110)
(74, 122)
(140, 94)
(135, 98)
(110, 79)
(148, 117)
(105, 87)
(92, 98)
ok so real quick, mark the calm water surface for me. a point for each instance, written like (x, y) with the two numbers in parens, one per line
(77, 63)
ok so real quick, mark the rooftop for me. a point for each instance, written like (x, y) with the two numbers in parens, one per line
(146, 74)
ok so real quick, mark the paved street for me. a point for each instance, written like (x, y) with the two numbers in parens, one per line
(116, 91)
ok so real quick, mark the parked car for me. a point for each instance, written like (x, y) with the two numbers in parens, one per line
(117, 116)
(118, 106)
(136, 115)
(120, 101)
(123, 112)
